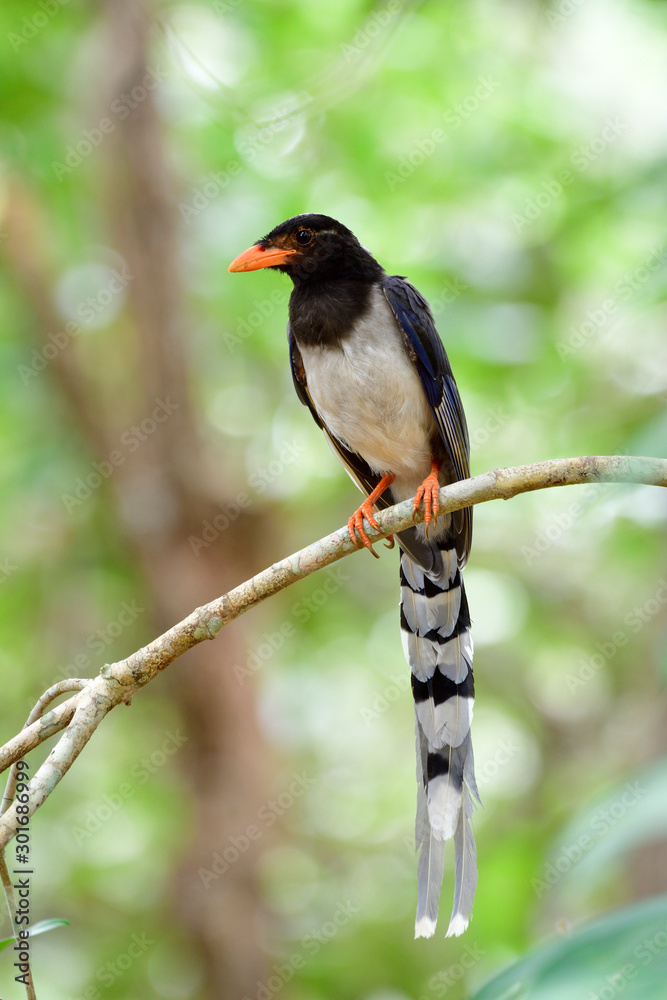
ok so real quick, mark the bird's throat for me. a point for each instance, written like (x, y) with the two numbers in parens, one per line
(324, 313)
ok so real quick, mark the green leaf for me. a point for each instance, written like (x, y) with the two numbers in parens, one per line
(623, 953)
(41, 928)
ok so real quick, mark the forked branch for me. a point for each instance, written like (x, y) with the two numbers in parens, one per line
(117, 682)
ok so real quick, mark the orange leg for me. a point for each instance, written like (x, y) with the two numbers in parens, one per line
(356, 522)
(428, 492)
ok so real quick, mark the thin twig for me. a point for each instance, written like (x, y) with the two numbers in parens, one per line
(8, 890)
(62, 687)
(40, 730)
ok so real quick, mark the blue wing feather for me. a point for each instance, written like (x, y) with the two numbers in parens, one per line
(430, 359)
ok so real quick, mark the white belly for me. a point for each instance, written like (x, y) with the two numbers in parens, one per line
(369, 395)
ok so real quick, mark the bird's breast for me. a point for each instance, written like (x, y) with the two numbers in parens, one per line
(367, 392)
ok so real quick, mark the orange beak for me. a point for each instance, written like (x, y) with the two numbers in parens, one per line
(257, 256)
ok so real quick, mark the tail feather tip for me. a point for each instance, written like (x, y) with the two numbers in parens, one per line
(457, 925)
(424, 927)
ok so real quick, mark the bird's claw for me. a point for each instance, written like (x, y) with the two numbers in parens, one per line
(428, 494)
(355, 525)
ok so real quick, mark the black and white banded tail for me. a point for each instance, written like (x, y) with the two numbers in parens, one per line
(435, 628)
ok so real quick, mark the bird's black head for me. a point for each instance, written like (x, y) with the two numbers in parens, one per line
(308, 247)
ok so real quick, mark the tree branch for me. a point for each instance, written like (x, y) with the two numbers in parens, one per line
(118, 682)
(32, 735)
(42, 732)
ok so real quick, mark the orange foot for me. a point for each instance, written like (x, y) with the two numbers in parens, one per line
(428, 493)
(355, 524)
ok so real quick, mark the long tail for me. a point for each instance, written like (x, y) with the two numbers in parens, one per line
(435, 628)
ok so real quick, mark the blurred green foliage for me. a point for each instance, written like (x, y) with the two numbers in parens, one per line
(579, 965)
(509, 158)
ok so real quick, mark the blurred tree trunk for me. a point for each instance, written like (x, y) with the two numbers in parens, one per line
(164, 491)
(227, 760)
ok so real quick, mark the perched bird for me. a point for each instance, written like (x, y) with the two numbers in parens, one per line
(368, 363)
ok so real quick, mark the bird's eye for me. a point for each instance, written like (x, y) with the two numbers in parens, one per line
(304, 237)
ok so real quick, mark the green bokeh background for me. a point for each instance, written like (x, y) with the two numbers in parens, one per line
(509, 158)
